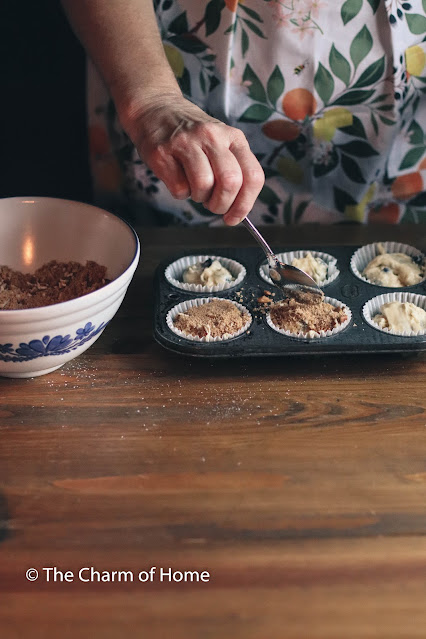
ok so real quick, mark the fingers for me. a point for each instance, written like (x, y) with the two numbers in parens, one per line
(198, 171)
(212, 164)
(253, 181)
(228, 179)
(172, 173)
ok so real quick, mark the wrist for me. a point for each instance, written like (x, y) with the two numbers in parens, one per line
(133, 107)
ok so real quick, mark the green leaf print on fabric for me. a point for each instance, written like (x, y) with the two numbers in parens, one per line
(324, 83)
(253, 27)
(185, 83)
(245, 42)
(351, 169)
(415, 132)
(256, 113)
(350, 10)
(354, 97)
(268, 196)
(372, 74)
(254, 85)
(275, 86)
(361, 46)
(179, 25)
(416, 23)
(358, 148)
(189, 44)
(251, 13)
(342, 199)
(356, 129)
(412, 157)
(339, 65)
(374, 4)
(212, 15)
(418, 200)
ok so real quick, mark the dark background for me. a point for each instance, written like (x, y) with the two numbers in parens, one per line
(43, 131)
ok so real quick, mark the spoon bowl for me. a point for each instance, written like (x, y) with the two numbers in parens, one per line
(292, 281)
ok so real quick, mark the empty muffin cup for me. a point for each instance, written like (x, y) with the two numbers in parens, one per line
(400, 319)
(364, 256)
(315, 334)
(174, 273)
(228, 318)
(330, 269)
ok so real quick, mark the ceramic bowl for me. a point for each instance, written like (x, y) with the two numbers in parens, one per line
(35, 230)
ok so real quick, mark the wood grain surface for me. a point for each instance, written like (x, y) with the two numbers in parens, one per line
(299, 485)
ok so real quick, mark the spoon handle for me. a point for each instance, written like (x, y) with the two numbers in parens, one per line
(263, 243)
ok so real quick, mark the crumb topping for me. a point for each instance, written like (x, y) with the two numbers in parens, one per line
(216, 318)
(298, 317)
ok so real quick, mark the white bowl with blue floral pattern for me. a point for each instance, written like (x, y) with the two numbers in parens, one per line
(35, 230)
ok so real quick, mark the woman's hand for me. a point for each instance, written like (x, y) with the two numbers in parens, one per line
(197, 156)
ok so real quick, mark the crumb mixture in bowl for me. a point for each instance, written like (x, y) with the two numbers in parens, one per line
(319, 318)
(52, 283)
(209, 319)
(389, 264)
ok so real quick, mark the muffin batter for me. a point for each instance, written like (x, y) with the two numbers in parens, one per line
(401, 317)
(313, 266)
(208, 273)
(393, 269)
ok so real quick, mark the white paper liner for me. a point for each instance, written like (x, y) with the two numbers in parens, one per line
(372, 308)
(287, 258)
(174, 271)
(365, 254)
(184, 306)
(315, 334)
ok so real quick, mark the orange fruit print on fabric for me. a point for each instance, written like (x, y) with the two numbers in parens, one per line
(405, 186)
(231, 4)
(386, 214)
(281, 130)
(299, 103)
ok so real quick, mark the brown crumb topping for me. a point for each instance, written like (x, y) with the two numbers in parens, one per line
(52, 283)
(297, 317)
(216, 318)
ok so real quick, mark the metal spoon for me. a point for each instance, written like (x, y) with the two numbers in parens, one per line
(292, 281)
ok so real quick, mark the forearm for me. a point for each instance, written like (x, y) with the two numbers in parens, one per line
(122, 38)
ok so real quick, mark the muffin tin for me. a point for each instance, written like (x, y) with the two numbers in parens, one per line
(260, 339)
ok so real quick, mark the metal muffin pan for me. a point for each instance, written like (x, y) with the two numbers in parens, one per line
(261, 340)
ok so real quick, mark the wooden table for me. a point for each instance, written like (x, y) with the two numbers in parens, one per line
(298, 485)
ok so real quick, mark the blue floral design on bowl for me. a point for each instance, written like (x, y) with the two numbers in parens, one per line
(48, 346)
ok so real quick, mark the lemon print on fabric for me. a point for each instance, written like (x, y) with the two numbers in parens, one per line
(356, 212)
(324, 128)
(415, 60)
(175, 59)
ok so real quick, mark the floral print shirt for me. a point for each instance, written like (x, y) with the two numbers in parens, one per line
(330, 94)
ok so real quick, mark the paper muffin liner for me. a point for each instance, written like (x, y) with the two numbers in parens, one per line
(288, 257)
(365, 254)
(372, 308)
(184, 306)
(315, 334)
(174, 272)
